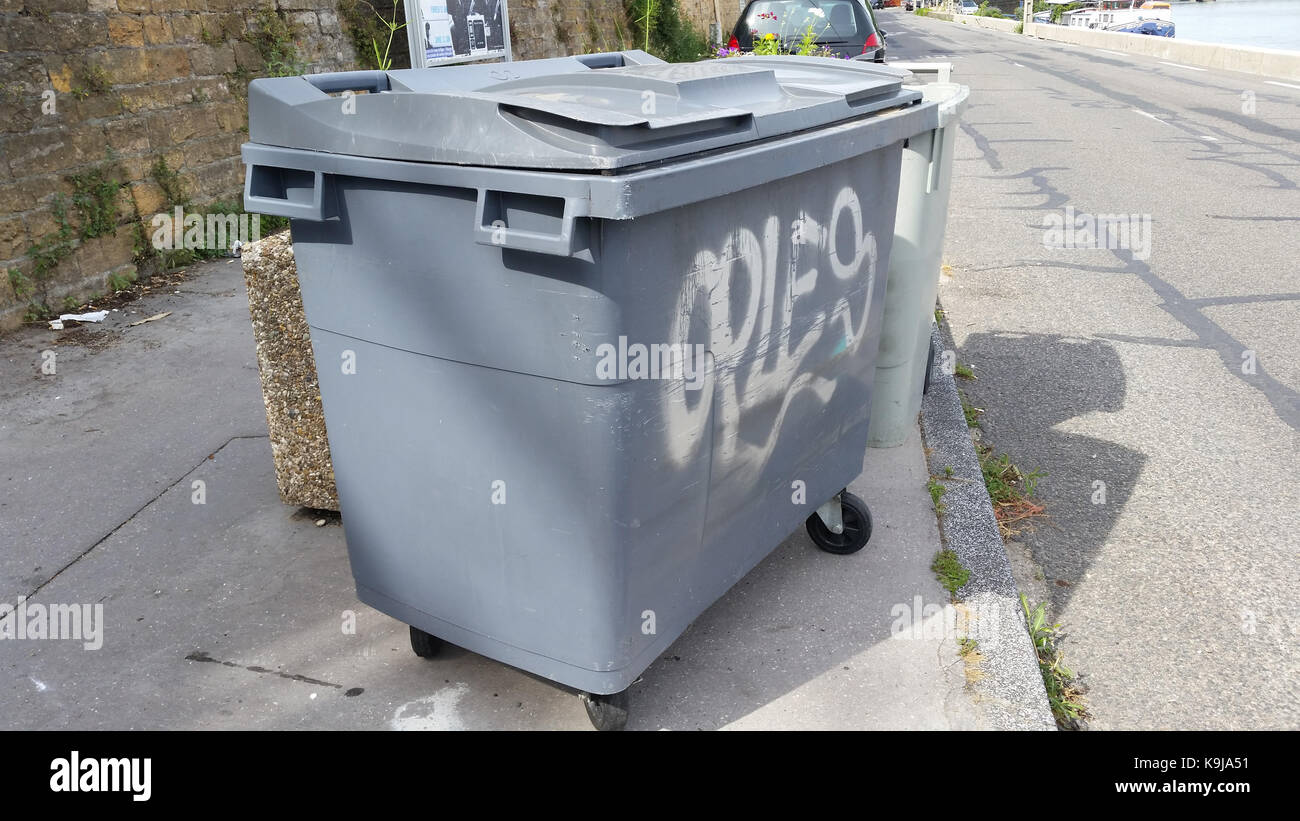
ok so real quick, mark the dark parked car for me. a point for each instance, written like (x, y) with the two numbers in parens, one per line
(877, 4)
(845, 27)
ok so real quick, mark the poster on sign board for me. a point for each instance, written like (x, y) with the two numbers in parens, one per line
(457, 31)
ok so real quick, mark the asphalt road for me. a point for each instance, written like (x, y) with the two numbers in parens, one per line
(1170, 551)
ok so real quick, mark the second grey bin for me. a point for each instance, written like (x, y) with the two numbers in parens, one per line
(488, 257)
(904, 359)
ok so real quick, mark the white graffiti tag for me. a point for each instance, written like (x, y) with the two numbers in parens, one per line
(753, 349)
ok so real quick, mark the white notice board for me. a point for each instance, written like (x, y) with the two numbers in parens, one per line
(457, 31)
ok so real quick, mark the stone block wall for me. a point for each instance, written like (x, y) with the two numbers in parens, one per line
(95, 92)
(103, 89)
(704, 12)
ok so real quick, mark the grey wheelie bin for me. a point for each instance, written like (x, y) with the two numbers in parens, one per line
(906, 354)
(594, 334)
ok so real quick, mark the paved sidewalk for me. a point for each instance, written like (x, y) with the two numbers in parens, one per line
(229, 614)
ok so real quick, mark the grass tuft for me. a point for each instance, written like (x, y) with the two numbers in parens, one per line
(1063, 694)
(949, 570)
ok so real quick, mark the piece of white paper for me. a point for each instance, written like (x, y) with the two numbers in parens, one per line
(94, 316)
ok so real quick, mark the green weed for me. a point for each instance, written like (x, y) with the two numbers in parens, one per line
(1062, 693)
(949, 570)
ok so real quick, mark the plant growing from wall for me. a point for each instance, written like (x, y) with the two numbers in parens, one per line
(595, 39)
(142, 251)
(273, 37)
(118, 282)
(173, 187)
(46, 254)
(658, 27)
(88, 80)
(383, 61)
(646, 20)
(372, 34)
(563, 32)
(94, 195)
(21, 285)
(174, 194)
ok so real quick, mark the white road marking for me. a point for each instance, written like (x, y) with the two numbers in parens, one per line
(1111, 53)
(1017, 65)
(1284, 85)
(1146, 114)
(1208, 137)
(1180, 65)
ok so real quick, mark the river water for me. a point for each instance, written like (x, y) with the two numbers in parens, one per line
(1267, 23)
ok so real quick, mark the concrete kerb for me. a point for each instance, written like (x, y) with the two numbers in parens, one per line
(1268, 62)
(1010, 688)
(995, 23)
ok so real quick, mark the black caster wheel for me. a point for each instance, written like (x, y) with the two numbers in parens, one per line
(929, 368)
(426, 646)
(607, 713)
(857, 527)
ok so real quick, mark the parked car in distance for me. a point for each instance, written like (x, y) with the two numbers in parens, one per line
(967, 7)
(877, 4)
(844, 27)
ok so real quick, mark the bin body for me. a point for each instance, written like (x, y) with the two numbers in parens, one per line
(914, 265)
(509, 479)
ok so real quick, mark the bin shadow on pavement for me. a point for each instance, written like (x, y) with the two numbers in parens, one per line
(231, 615)
(1051, 380)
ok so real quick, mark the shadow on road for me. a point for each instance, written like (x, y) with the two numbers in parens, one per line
(1035, 382)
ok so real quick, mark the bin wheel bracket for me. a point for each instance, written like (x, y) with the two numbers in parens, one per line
(842, 525)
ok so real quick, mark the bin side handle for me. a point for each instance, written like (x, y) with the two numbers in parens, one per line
(369, 81)
(289, 192)
(491, 229)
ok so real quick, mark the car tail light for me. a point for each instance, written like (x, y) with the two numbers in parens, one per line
(734, 45)
(872, 42)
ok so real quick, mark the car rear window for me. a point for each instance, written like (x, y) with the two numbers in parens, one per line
(789, 19)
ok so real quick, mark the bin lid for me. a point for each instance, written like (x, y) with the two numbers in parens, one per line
(587, 113)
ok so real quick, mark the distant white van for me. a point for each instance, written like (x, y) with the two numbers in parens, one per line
(967, 7)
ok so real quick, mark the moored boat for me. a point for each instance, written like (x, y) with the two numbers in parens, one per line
(1150, 17)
